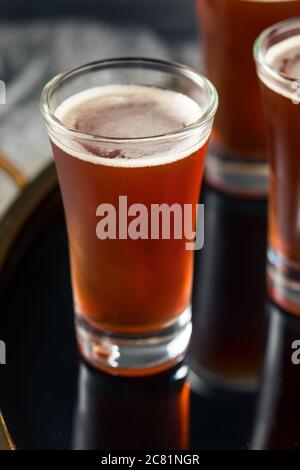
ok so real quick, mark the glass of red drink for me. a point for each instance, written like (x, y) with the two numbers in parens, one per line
(135, 129)
(237, 160)
(277, 53)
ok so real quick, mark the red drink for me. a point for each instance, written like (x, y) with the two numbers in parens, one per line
(132, 288)
(127, 286)
(278, 58)
(229, 29)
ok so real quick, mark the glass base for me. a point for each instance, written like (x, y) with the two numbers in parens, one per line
(133, 355)
(284, 281)
(243, 178)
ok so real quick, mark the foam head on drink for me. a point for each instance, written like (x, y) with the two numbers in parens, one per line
(282, 103)
(124, 285)
(284, 57)
(128, 112)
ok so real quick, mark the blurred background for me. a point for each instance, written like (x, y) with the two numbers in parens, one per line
(40, 39)
(167, 17)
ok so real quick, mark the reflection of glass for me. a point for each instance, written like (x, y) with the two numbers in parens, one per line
(132, 413)
(229, 291)
(131, 295)
(278, 412)
(221, 418)
(237, 162)
(278, 65)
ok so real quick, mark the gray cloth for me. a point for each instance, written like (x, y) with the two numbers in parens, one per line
(31, 53)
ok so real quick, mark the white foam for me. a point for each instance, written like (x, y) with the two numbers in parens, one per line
(286, 49)
(130, 111)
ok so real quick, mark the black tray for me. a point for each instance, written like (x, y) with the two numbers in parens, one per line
(50, 399)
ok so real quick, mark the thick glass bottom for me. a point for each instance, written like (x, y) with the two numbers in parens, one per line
(243, 178)
(284, 281)
(134, 355)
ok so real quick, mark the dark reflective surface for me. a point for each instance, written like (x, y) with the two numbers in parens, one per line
(229, 291)
(278, 411)
(144, 413)
(52, 400)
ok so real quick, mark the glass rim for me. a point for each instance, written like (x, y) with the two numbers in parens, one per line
(198, 78)
(260, 53)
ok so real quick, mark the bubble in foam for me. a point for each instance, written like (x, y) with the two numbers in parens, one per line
(290, 66)
(129, 112)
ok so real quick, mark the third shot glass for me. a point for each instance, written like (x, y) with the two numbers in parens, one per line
(277, 54)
